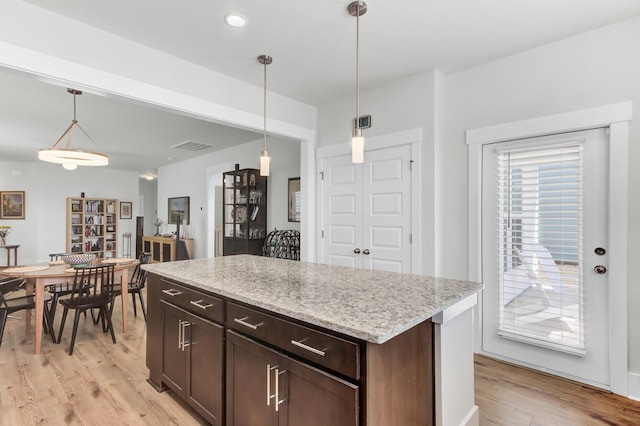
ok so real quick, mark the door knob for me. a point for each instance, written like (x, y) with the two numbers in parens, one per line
(365, 251)
(356, 251)
(600, 269)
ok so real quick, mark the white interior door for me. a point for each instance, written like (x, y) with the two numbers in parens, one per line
(544, 245)
(342, 212)
(386, 217)
(366, 210)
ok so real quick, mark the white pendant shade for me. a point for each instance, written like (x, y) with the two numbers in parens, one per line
(265, 161)
(65, 155)
(357, 147)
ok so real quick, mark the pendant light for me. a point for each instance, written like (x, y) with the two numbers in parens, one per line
(265, 159)
(357, 8)
(72, 158)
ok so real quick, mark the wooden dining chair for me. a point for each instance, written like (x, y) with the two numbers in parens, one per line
(136, 284)
(9, 305)
(92, 288)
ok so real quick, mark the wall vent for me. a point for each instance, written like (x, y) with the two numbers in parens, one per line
(191, 146)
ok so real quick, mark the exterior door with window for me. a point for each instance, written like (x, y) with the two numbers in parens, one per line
(544, 244)
(366, 210)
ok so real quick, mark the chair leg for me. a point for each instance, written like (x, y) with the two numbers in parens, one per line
(54, 304)
(64, 319)
(133, 298)
(75, 330)
(3, 321)
(49, 322)
(144, 310)
(110, 324)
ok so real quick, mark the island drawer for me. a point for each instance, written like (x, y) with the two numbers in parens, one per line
(197, 302)
(333, 352)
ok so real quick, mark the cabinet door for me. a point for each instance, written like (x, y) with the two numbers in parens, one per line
(155, 252)
(167, 252)
(251, 388)
(174, 365)
(205, 344)
(313, 397)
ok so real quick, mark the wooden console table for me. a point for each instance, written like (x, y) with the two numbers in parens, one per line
(164, 249)
(15, 254)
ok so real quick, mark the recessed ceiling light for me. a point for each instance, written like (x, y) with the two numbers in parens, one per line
(235, 20)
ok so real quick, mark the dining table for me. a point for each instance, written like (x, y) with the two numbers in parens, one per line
(45, 274)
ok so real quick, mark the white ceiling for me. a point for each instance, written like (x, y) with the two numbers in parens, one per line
(313, 46)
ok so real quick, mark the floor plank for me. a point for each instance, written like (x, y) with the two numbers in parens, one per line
(510, 395)
(101, 383)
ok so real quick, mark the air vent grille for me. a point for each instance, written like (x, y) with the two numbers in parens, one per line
(191, 146)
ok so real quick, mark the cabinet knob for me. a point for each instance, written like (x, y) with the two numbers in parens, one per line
(365, 251)
(356, 251)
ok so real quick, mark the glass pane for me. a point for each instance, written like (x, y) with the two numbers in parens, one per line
(540, 212)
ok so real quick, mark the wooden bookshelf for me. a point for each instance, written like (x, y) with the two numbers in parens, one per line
(92, 226)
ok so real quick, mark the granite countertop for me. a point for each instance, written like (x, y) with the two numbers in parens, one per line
(374, 306)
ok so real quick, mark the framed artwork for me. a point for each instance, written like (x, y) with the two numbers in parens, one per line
(12, 205)
(125, 209)
(293, 206)
(178, 210)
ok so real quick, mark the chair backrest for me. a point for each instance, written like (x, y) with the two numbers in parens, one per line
(9, 285)
(93, 280)
(140, 275)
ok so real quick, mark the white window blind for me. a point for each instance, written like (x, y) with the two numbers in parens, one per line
(540, 196)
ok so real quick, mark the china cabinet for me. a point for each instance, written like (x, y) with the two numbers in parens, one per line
(244, 211)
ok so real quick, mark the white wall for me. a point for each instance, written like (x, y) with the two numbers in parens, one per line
(596, 68)
(191, 178)
(149, 193)
(47, 187)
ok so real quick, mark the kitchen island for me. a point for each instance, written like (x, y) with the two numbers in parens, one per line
(254, 340)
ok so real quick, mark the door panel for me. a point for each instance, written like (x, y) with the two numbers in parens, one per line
(206, 360)
(387, 210)
(544, 305)
(174, 366)
(342, 211)
(312, 397)
(247, 387)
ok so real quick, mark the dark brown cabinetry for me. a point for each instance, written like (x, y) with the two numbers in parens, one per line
(265, 387)
(191, 348)
(244, 212)
(280, 371)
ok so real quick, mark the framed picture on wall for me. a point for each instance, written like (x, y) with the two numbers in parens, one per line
(12, 205)
(178, 210)
(125, 209)
(293, 206)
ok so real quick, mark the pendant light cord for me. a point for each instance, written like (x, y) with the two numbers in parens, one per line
(357, 65)
(265, 105)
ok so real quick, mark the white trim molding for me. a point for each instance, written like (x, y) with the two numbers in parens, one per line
(616, 117)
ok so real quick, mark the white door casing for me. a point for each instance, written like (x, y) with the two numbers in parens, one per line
(616, 117)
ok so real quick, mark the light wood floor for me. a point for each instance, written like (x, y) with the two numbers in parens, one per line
(103, 383)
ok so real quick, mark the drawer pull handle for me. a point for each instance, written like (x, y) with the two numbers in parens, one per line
(199, 304)
(307, 347)
(242, 321)
(172, 292)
